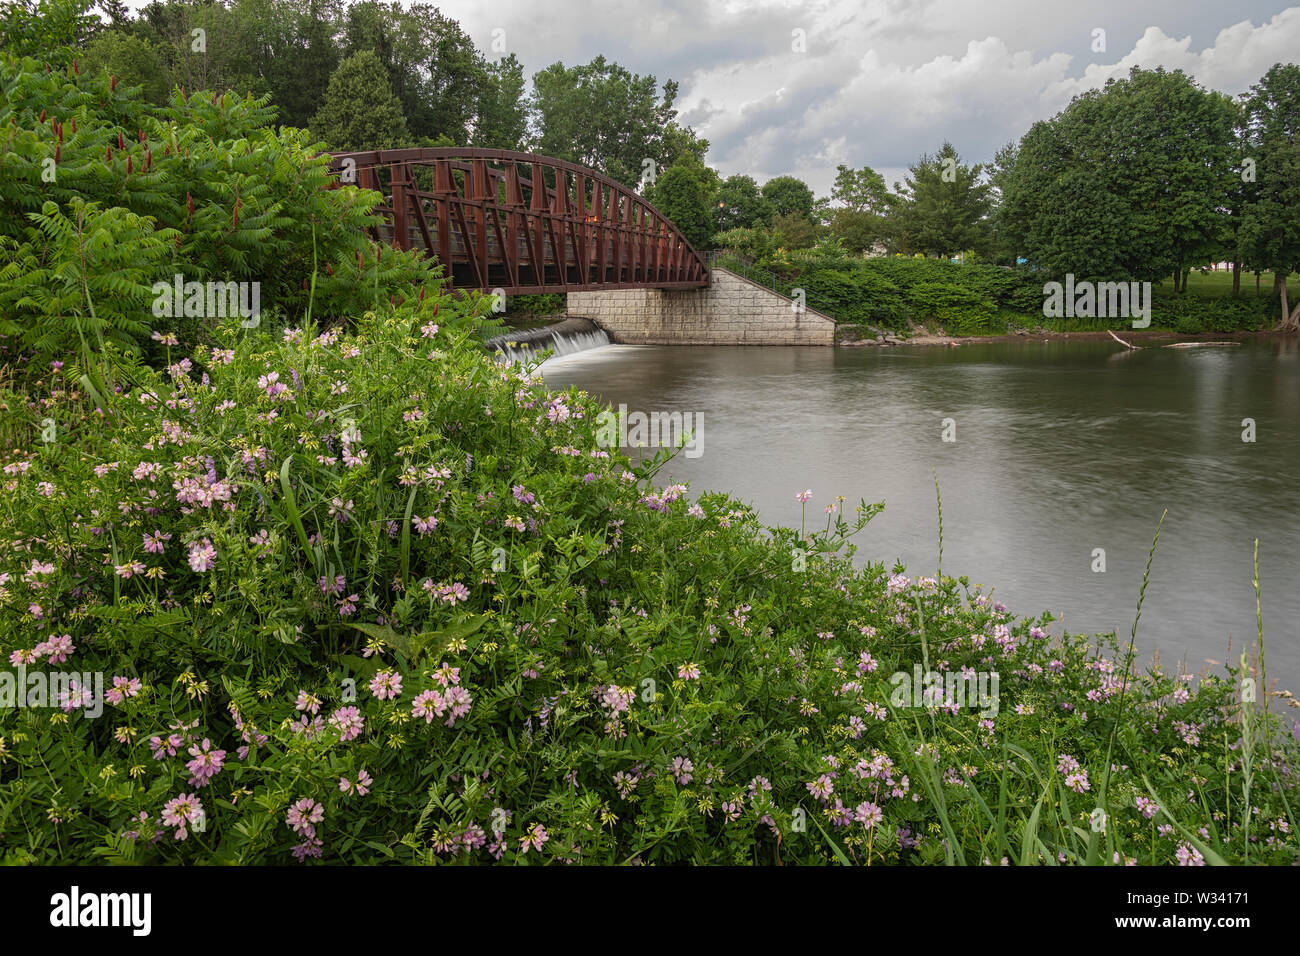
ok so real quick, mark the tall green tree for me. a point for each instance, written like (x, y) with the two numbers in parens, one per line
(1270, 227)
(1128, 182)
(1242, 190)
(294, 52)
(360, 109)
(502, 112)
(1005, 233)
(860, 221)
(794, 231)
(859, 231)
(601, 115)
(682, 193)
(739, 204)
(789, 196)
(208, 46)
(680, 143)
(433, 67)
(942, 206)
(860, 190)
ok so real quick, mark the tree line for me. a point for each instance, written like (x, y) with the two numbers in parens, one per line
(1146, 178)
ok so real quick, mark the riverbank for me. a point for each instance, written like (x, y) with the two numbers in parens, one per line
(1157, 337)
(472, 588)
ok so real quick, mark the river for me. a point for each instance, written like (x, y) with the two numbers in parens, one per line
(1059, 448)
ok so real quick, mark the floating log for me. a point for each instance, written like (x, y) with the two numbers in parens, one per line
(1197, 345)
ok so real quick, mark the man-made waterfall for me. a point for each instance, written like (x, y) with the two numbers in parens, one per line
(565, 338)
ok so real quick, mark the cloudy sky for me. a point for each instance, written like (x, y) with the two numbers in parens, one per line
(878, 82)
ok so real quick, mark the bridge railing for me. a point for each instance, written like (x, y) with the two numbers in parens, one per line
(769, 280)
(521, 222)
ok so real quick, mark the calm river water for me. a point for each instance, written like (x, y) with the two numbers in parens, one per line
(1061, 448)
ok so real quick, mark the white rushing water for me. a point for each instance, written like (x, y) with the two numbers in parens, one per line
(561, 343)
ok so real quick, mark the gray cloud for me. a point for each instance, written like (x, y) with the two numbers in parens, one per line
(882, 81)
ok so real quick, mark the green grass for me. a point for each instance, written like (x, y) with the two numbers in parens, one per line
(1209, 285)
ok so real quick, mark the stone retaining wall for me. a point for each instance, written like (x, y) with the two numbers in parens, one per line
(731, 311)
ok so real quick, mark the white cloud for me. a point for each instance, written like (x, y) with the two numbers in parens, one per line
(806, 113)
(884, 80)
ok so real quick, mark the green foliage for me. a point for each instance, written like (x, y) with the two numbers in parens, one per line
(681, 193)
(231, 198)
(1129, 182)
(942, 207)
(859, 230)
(291, 52)
(752, 244)
(891, 291)
(360, 110)
(1269, 237)
(433, 68)
(133, 61)
(738, 203)
(793, 232)
(789, 197)
(959, 310)
(502, 121)
(92, 280)
(860, 190)
(1188, 314)
(219, 46)
(858, 297)
(47, 29)
(546, 304)
(602, 116)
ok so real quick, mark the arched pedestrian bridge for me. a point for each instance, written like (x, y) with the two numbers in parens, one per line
(520, 223)
(523, 223)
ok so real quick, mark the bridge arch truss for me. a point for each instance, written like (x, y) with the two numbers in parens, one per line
(522, 223)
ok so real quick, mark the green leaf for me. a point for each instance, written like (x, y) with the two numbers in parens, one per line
(437, 640)
(291, 506)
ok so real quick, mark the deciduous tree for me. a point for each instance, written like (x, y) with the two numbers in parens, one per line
(1270, 228)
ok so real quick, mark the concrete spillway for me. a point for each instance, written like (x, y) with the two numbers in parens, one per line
(565, 338)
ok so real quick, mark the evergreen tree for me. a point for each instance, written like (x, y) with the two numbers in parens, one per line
(360, 110)
(942, 207)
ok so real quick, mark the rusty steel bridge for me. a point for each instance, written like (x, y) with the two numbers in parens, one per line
(522, 223)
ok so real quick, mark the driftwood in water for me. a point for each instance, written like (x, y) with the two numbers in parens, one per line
(1197, 345)
(1121, 341)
